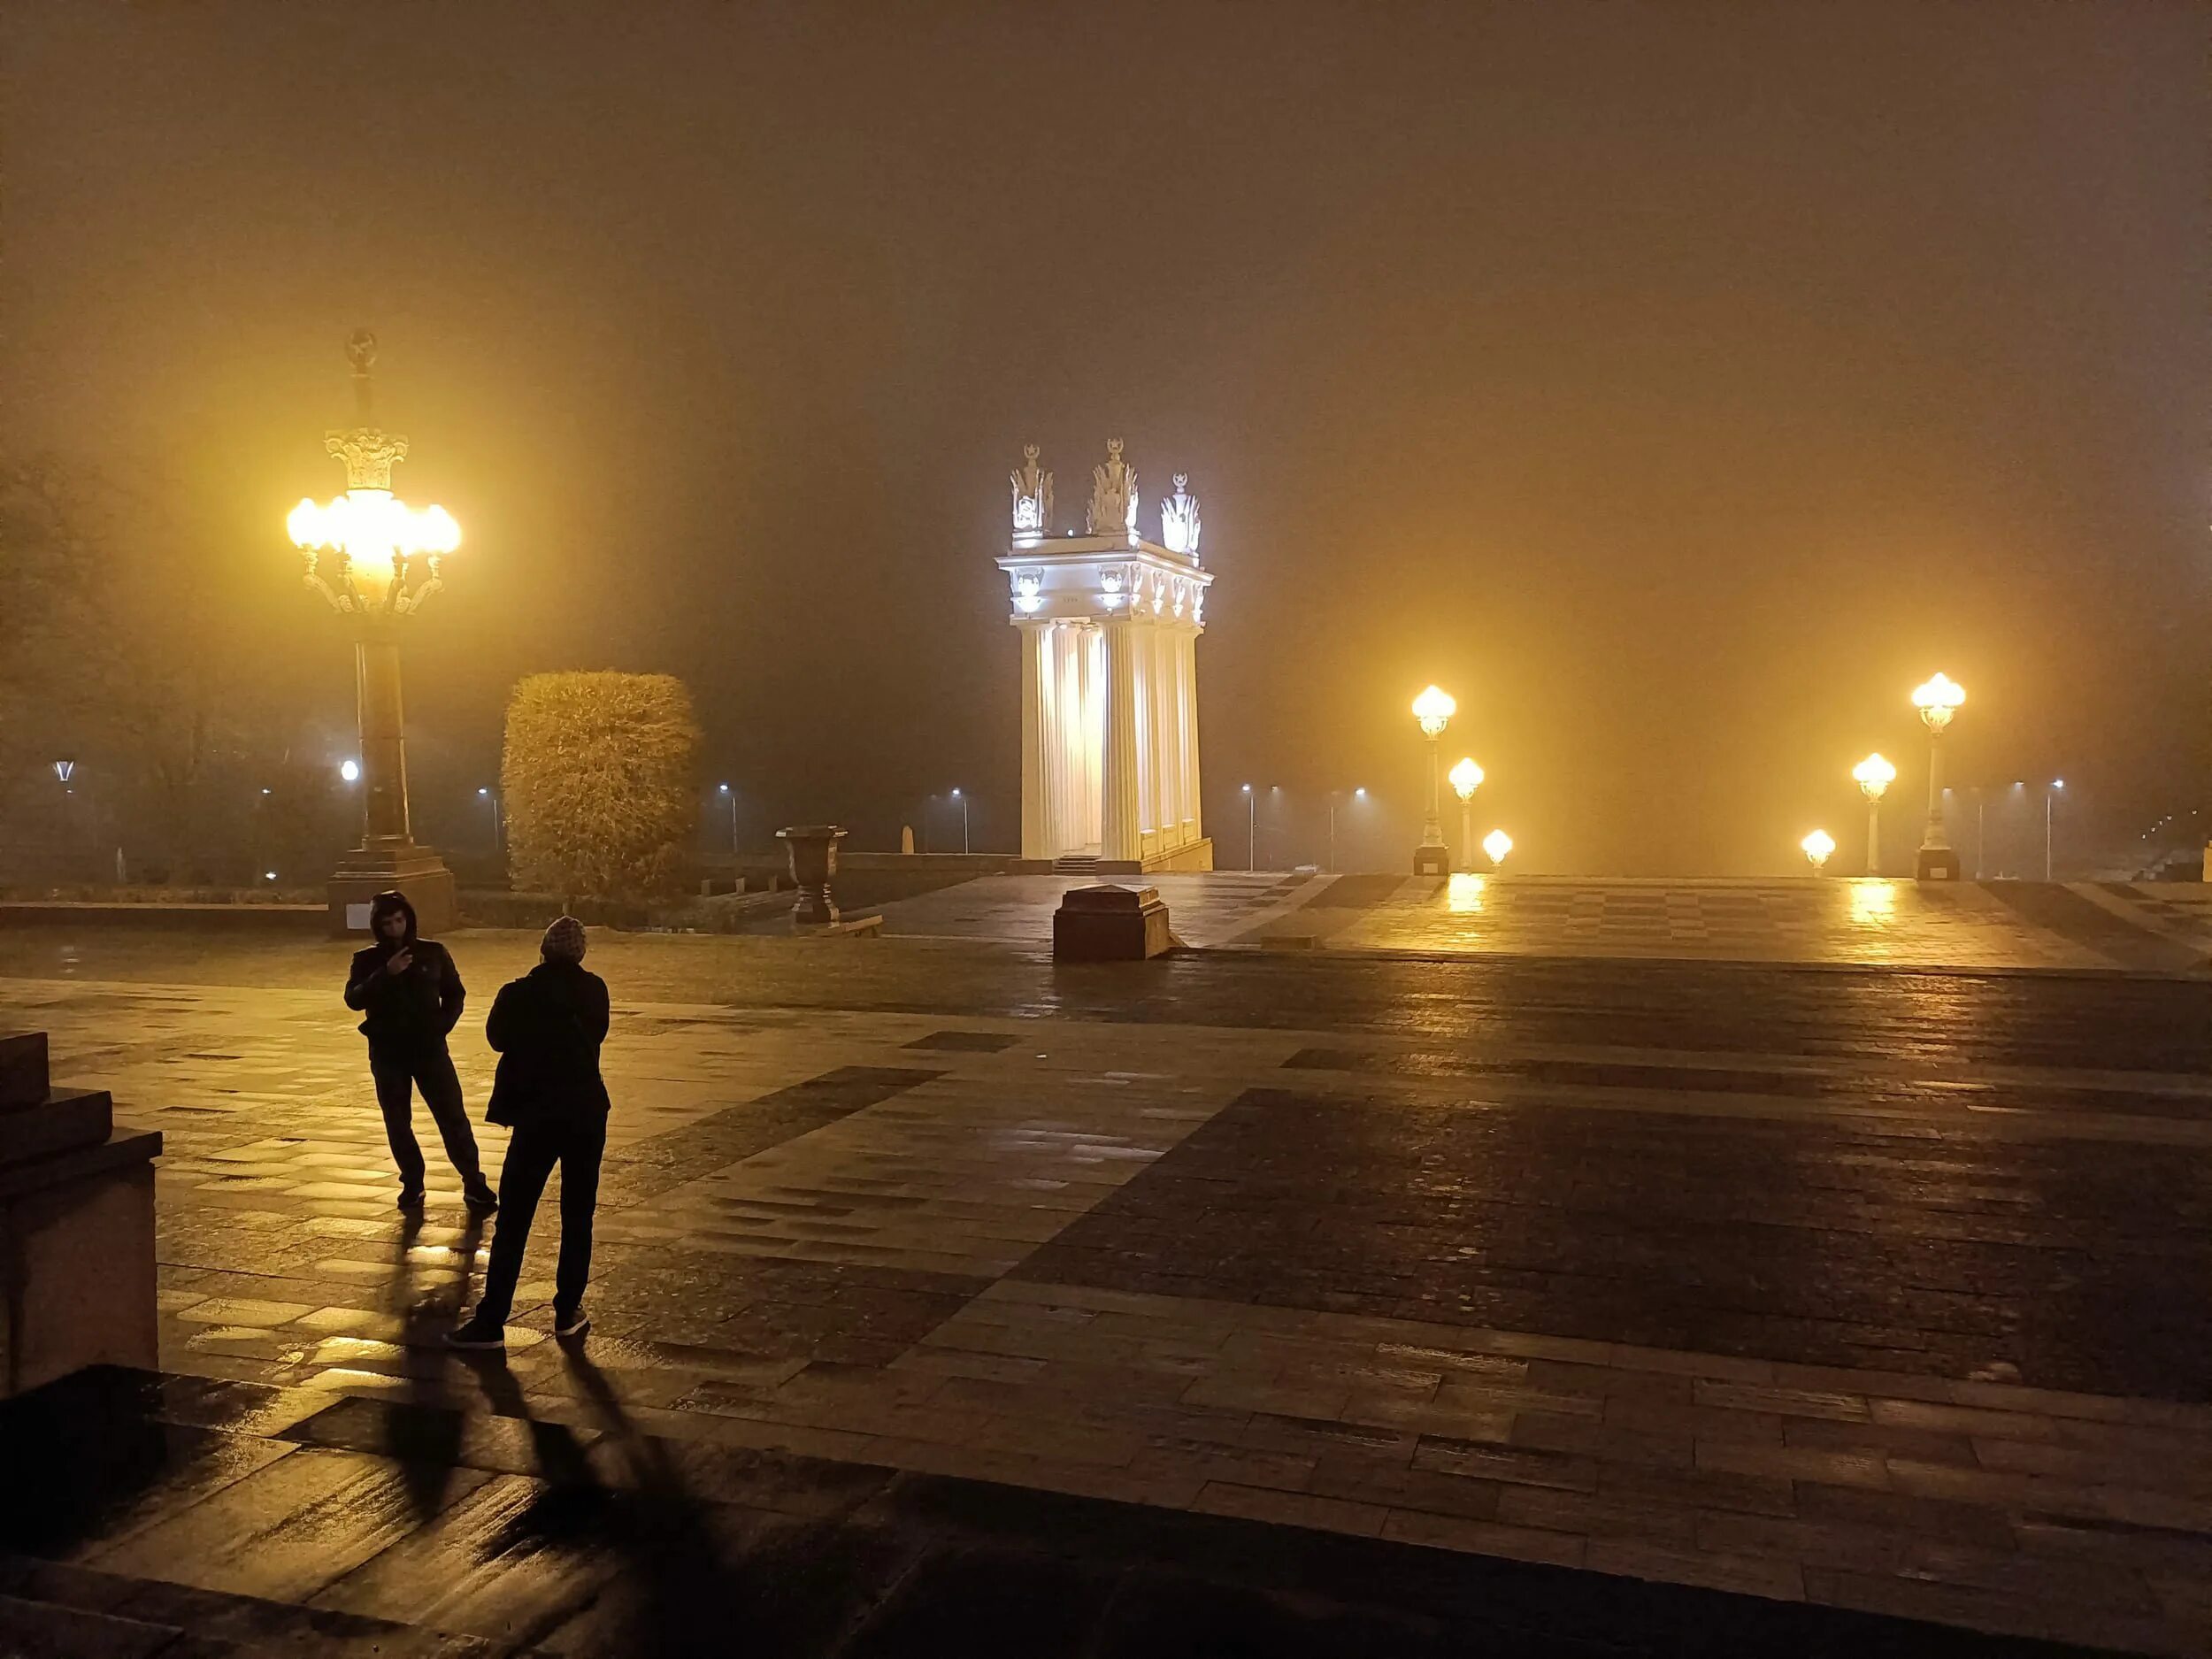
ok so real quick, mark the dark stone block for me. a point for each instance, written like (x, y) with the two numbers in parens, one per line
(61, 1123)
(1110, 924)
(23, 1074)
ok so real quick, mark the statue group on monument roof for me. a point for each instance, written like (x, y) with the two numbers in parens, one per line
(1112, 509)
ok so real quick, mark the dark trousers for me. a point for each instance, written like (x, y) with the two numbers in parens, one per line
(399, 1069)
(536, 1147)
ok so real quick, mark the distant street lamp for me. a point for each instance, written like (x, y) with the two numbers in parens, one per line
(1938, 700)
(1466, 778)
(1497, 844)
(350, 772)
(376, 560)
(1818, 846)
(729, 795)
(963, 818)
(1251, 829)
(1357, 794)
(1874, 775)
(1433, 708)
(63, 769)
(2057, 784)
(499, 830)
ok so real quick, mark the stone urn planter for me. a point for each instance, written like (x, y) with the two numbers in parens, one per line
(813, 851)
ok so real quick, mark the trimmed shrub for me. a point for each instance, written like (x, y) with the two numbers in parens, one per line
(597, 778)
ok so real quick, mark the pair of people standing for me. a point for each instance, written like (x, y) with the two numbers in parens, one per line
(547, 1028)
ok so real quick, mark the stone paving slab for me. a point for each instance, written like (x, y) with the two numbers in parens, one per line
(638, 1543)
(1864, 1291)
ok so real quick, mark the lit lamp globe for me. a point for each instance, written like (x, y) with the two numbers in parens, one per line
(1433, 708)
(1817, 847)
(1497, 844)
(1938, 700)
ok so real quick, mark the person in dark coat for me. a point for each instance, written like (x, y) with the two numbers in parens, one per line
(412, 994)
(547, 1026)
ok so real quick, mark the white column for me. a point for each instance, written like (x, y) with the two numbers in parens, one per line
(1148, 730)
(1088, 733)
(1170, 735)
(1119, 839)
(1166, 759)
(1187, 676)
(1036, 811)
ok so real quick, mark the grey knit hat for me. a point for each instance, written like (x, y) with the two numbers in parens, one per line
(563, 940)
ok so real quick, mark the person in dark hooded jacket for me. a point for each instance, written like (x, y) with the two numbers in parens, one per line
(412, 995)
(547, 1026)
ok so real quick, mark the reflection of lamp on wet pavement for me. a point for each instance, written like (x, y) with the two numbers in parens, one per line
(1873, 903)
(1497, 844)
(1466, 778)
(1433, 708)
(1873, 775)
(1938, 700)
(1818, 846)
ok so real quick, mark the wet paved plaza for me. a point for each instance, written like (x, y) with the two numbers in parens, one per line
(1275, 1301)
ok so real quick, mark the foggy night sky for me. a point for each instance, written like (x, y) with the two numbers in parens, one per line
(1677, 384)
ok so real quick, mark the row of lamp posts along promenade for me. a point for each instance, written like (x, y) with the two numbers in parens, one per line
(1937, 700)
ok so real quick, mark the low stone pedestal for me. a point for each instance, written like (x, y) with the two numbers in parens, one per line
(1110, 924)
(1432, 861)
(76, 1227)
(417, 871)
(1938, 864)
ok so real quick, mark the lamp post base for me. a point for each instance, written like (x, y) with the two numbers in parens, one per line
(417, 871)
(1937, 863)
(1433, 861)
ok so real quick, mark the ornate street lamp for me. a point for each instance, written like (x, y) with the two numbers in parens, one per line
(1497, 844)
(1817, 847)
(375, 559)
(1873, 775)
(1433, 708)
(1466, 778)
(1938, 700)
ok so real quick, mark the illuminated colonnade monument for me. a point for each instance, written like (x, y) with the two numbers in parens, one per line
(1110, 625)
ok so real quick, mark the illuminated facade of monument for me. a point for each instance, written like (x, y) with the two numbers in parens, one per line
(1110, 625)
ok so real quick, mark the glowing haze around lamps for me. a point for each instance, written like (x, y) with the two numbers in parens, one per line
(1433, 708)
(1938, 700)
(375, 560)
(1816, 847)
(1873, 775)
(1497, 844)
(1466, 778)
